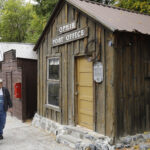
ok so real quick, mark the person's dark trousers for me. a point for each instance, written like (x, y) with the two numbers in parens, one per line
(2, 118)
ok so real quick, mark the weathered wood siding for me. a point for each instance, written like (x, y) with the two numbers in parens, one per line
(68, 53)
(133, 83)
(109, 57)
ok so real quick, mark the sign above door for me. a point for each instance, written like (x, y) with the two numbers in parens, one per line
(67, 27)
(69, 37)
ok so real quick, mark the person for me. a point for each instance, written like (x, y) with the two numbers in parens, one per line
(5, 104)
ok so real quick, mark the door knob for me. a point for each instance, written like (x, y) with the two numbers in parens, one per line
(76, 93)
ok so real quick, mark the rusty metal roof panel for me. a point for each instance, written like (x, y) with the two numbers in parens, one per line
(23, 50)
(114, 18)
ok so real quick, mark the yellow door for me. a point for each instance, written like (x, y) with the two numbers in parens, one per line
(85, 93)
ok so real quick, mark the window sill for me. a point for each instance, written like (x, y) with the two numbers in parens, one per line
(56, 108)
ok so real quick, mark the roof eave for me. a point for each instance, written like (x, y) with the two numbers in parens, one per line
(133, 31)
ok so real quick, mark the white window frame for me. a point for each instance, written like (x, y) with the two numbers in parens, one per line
(47, 105)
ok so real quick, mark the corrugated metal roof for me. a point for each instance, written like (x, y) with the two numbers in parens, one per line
(114, 18)
(23, 50)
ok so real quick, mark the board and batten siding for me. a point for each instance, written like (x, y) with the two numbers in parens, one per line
(133, 84)
(68, 54)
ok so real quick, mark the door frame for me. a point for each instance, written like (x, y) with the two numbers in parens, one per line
(76, 96)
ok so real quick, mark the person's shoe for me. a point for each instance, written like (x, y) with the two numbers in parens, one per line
(1, 137)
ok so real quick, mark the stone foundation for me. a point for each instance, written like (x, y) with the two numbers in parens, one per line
(75, 137)
(139, 141)
(83, 139)
(47, 125)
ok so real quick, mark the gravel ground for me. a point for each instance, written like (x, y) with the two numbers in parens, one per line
(22, 136)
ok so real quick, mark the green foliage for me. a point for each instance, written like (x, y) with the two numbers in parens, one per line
(21, 22)
(35, 29)
(45, 7)
(142, 6)
(41, 13)
(1, 3)
(14, 20)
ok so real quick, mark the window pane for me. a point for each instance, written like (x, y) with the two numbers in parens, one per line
(54, 68)
(53, 94)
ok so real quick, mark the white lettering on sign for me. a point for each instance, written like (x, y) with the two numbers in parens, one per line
(98, 72)
(69, 37)
(67, 27)
(58, 40)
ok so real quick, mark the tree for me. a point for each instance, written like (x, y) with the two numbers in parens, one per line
(22, 22)
(45, 7)
(142, 6)
(15, 20)
(42, 12)
(2, 5)
(35, 29)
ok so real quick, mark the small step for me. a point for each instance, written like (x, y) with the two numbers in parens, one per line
(76, 132)
(82, 133)
(68, 140)
(75, 143)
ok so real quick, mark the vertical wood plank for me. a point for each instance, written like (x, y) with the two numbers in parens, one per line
(83, 22)
(54, 31)
(92, 33)
(45, 48)
(64, 74)
(109, 86)
(62, 70)
(49, 42)
(38, 82)
(70, 73)
(76, 43)
(100, 88)
(41, 77)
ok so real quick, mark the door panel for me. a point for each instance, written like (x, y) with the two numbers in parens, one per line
(85, 93)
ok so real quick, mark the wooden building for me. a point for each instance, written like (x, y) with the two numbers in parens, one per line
(94, 68)
(19, 73)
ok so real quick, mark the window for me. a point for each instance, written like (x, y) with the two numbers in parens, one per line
(53, 69)
(53, 84)
(53, 94)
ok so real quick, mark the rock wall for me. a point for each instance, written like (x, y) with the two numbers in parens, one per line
(75, 137)
(83, 139)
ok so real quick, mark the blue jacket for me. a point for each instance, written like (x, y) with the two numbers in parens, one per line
(7, 100)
